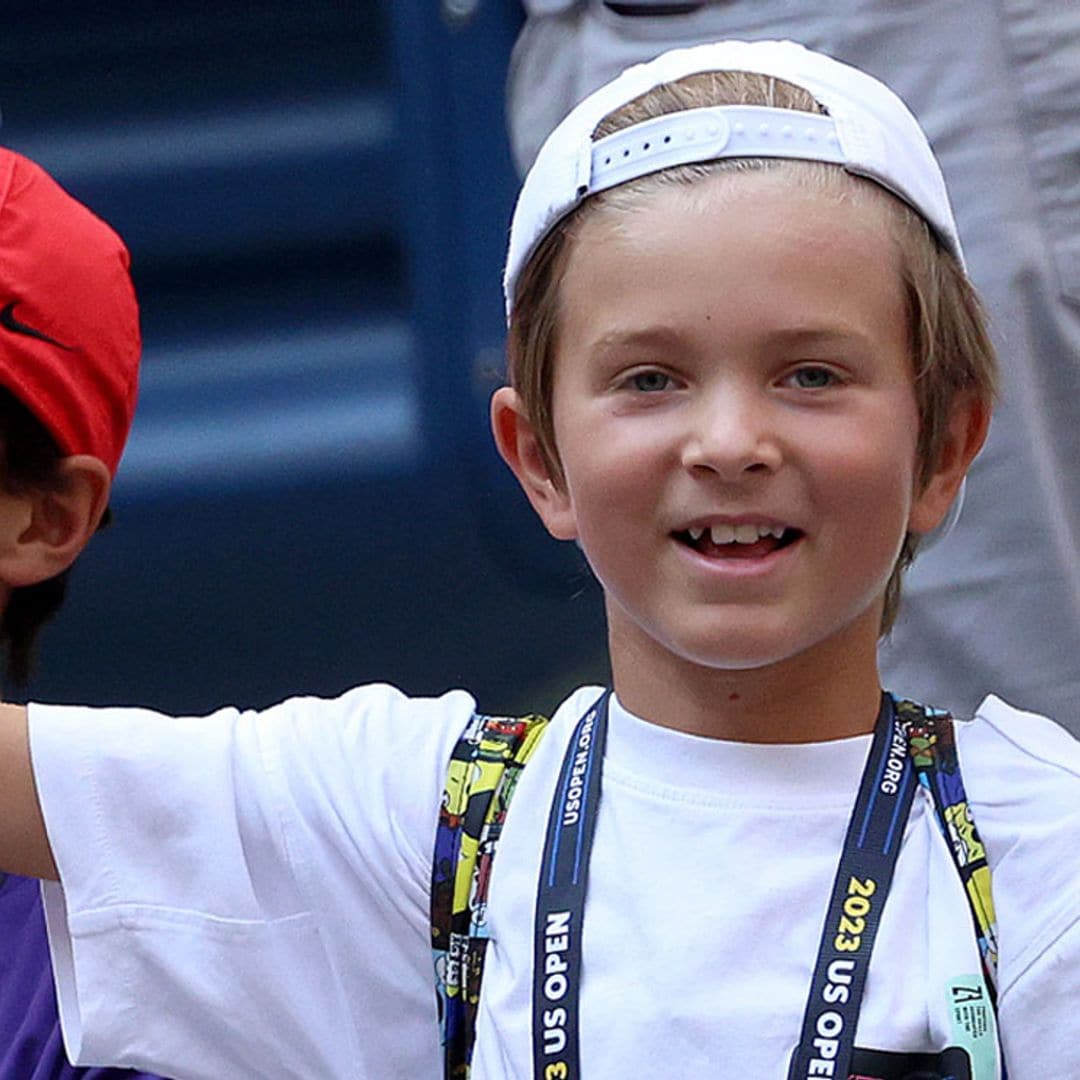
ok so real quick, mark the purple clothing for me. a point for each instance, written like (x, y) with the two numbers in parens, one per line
(30, 1044)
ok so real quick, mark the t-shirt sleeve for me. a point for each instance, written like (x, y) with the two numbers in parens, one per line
(242, 893)
(1022, 773)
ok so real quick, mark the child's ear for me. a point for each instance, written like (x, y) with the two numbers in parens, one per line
(519, 446)
(965, 433)
(42, 531)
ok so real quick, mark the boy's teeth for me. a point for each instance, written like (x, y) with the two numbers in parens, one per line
(722, 534)
(738, 534)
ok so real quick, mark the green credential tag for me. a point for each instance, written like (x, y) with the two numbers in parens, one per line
(974, 1026)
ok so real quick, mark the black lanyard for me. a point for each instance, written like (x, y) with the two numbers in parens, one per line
(862, 884)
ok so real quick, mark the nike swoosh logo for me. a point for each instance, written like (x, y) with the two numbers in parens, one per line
(9, 322)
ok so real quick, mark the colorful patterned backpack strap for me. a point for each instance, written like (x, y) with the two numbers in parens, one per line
(932, 746)
(480, 782)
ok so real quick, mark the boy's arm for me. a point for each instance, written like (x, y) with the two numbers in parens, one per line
(24, 846)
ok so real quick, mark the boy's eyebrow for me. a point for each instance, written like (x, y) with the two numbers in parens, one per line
(636, 337)
(826, 334)
(662, 337)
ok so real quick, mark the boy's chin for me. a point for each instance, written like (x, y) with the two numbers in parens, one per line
(723, 651)
(746, 646)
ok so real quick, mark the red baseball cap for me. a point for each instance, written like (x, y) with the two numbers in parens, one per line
(69, 321)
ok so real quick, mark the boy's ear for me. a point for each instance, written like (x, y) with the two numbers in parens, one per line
(42, 531)
(965, 434)
(519, 446)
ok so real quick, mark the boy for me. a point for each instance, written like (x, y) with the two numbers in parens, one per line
(748, 375)
(69, 354)
(1010, 73)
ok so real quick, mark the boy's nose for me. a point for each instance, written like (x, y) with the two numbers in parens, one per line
(731, 438)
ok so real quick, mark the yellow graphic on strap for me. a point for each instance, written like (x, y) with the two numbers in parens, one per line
(963, 832)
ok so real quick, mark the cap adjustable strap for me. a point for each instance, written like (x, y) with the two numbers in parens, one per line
(698, 135)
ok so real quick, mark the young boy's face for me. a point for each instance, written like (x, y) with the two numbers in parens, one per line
(735, 414)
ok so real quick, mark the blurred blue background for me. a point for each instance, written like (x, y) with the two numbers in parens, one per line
(316, 198)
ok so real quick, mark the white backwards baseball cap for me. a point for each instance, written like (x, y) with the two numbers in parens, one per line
(868, 130)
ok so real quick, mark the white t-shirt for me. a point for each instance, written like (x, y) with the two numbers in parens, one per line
(246, 895)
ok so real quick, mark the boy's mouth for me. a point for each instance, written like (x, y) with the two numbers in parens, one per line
(744, 541)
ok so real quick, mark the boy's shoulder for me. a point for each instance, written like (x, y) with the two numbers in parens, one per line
(1021, 771)
(1022, 775)
(1001, 738)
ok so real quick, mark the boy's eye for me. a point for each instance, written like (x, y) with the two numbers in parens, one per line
(812, 378)
(649, 382)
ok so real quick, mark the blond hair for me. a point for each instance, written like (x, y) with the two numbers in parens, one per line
(951, 348)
